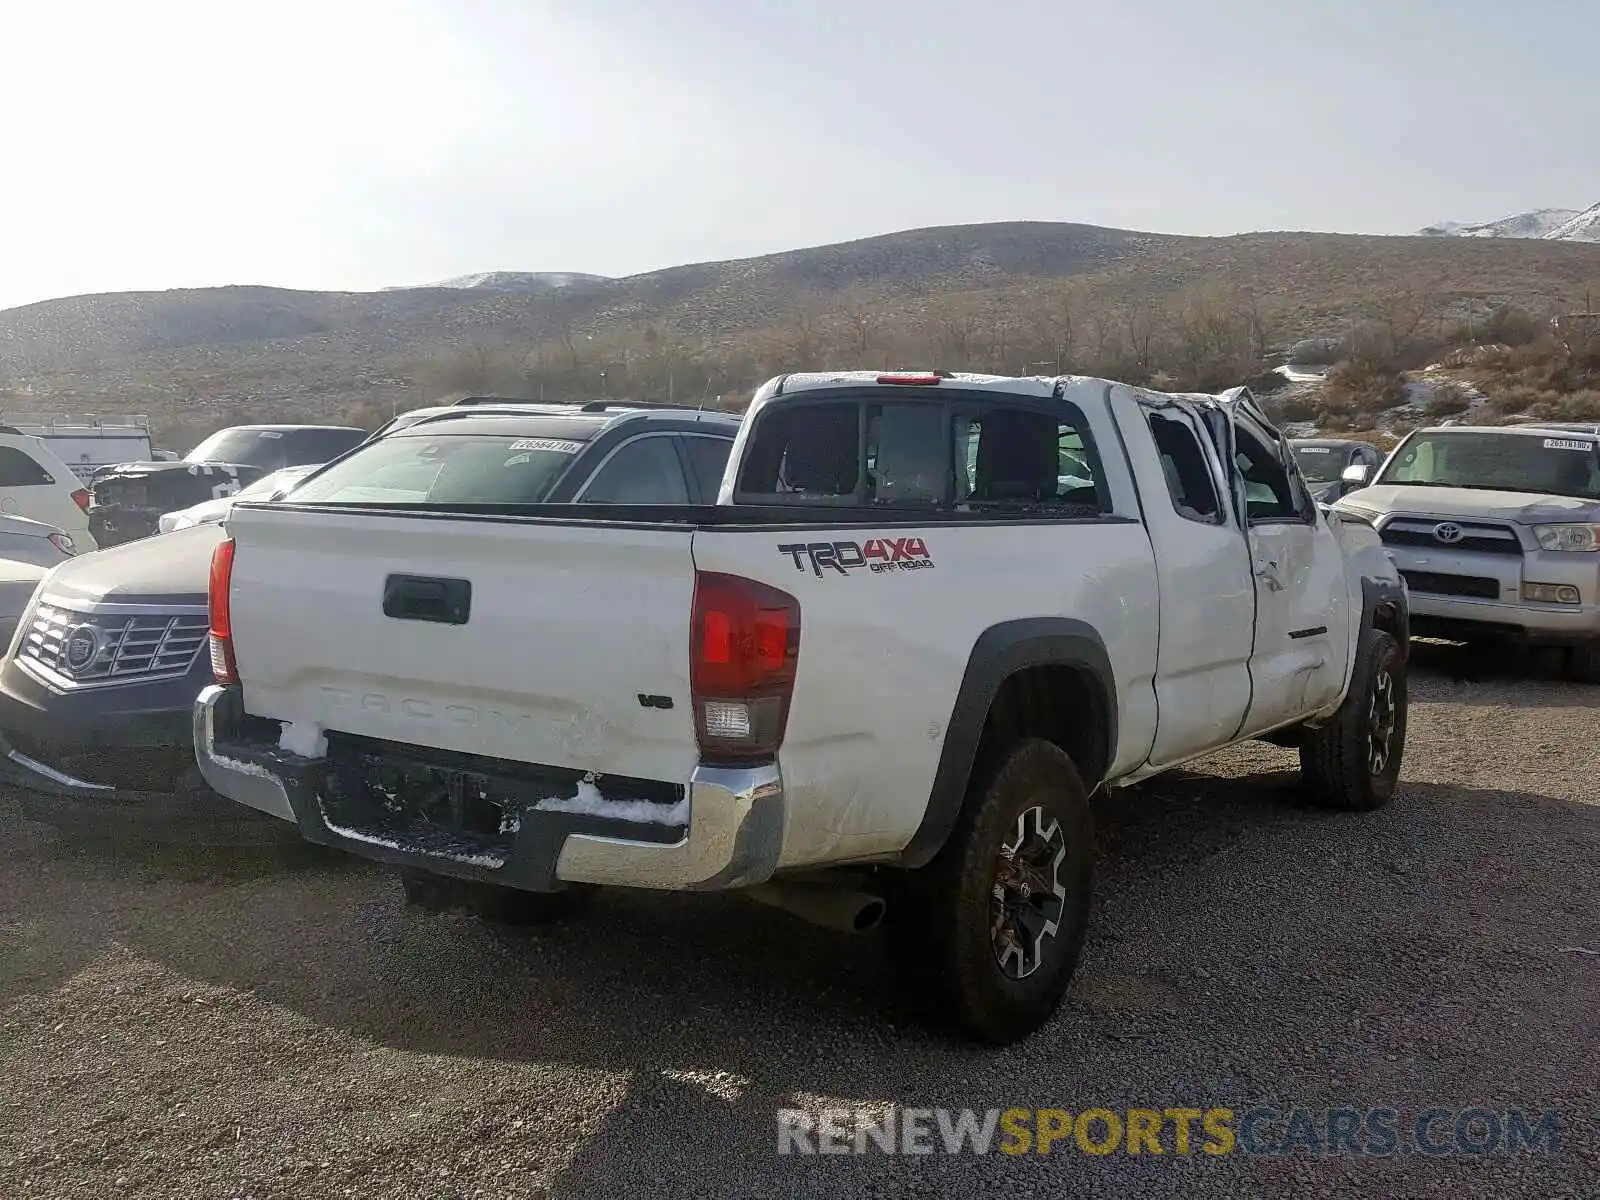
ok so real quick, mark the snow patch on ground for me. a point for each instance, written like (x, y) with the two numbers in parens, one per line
(304, 738)
(1420, 393)
(590, 801)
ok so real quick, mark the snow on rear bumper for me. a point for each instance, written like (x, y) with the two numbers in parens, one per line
(733, 836)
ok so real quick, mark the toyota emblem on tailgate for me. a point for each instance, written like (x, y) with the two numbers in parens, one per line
(1448, 532)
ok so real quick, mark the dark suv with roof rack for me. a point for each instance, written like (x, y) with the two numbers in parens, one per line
(97, 692)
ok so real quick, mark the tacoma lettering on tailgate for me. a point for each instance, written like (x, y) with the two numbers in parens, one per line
(464, 716)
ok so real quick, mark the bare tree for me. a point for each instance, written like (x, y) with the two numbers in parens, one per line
(1051, 325)
(1142, 323)
(861, 322)
(952, 338)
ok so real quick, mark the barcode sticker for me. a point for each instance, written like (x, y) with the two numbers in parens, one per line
(552, 444)
(1566, 444)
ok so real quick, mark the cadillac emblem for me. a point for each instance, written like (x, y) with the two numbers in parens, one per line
(81, 647)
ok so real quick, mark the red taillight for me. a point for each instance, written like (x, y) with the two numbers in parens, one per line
(223, 665)
(910, 380)
(744, 644)
(81, 498)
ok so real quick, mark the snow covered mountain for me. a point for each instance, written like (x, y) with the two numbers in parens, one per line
(1583, 227)
(1551, 224)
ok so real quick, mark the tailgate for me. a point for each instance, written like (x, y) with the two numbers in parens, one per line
(574, 651)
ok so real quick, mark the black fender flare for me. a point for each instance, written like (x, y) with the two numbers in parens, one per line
(1378, 592)
(1000, 652)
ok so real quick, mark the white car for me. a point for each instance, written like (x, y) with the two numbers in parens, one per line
(36, 484)
(208, 512)
(886, 670)
(23, 540)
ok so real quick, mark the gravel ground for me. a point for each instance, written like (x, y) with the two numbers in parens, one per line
(218, 1025)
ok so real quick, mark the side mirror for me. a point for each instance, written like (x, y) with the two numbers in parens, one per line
(1355, 474)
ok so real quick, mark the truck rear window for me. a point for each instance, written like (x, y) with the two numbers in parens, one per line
(444, 469)
(980, 455)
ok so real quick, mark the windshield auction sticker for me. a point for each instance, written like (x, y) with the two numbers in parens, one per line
(554, 445)
(1566, 444)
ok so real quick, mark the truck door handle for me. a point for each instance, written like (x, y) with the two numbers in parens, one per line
(421, 598)
(1268, 574)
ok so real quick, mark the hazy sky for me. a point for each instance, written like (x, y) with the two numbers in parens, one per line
(359, 143)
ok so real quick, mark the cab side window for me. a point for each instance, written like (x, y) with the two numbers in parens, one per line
(1269, 493)
(1183, 462)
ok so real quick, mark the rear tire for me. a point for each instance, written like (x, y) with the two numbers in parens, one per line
(990, 931)
(1353, 762)
(492, 902)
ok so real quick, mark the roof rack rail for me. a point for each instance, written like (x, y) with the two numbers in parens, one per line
(594, 406)
(588, 406)
(470, 400)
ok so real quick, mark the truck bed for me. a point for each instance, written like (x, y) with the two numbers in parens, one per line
(576, 653)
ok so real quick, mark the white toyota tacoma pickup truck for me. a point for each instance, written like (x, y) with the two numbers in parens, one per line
(928, 618)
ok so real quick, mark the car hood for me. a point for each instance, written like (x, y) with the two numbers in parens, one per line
(16, 571)
(1524, 508)
(213, 510)
(170, 568)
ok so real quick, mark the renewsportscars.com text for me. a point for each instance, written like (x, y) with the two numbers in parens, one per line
(1260, 1130)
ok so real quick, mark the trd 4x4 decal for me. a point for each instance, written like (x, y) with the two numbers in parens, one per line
(875, 554)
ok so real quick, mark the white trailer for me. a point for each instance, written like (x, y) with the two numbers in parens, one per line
(87, 443)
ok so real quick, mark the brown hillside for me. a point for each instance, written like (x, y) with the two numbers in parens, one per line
(993, 295)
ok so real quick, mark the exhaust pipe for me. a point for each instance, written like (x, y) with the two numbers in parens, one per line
(830, 907)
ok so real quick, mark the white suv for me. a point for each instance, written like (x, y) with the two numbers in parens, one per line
(36, 484)
(1497, 533)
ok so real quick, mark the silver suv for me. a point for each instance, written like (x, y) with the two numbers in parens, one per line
(1497, 533)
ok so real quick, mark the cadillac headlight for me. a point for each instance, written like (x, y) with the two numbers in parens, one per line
(25, 621)
(1578, 538)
